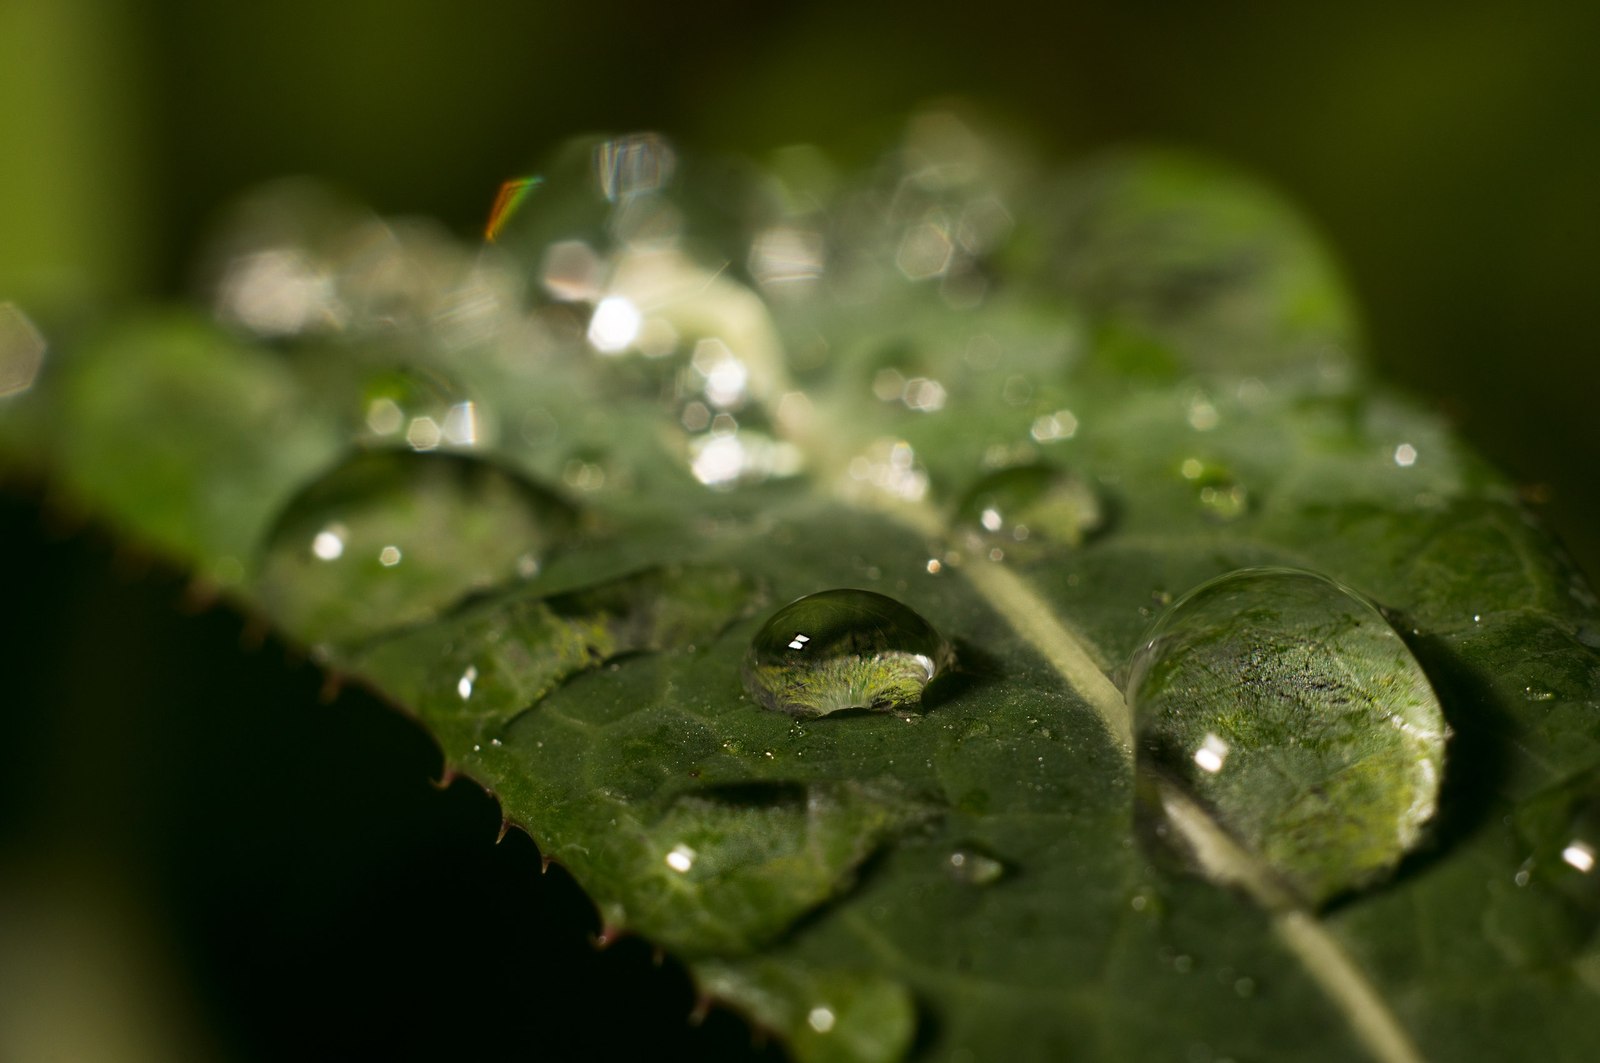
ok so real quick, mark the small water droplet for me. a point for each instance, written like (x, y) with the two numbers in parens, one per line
(844, 649)
(1221, 496)
(1290, 709)
(974, 867)
(1554, 912)
(389, 537)
(1035, 503)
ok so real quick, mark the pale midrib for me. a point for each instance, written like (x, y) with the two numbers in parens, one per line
(1033, 619)
(1221, 857)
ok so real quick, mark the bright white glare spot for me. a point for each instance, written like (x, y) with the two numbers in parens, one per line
(718, 460)
(1580, 855)
(384, 417)
(22, 350)
(934, 566)
(925, 252)
(786, 256)
(615, 325)
(958, 859)
(888, 385)
(630, 165)
(1053, 426)
(799, 642)
(1211, 754)
(725, 375)
(681, 858)
(464, 684)
(570, 271)
(423, 433)
(924, 395)
(1405, 455)
(891, 466)
(461, 424)
(990, 519)
(389, 556)
(1202, 415)
(821, 1019)
(328, 544)
(278, 292)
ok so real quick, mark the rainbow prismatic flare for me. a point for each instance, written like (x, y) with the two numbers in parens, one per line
(506, 202)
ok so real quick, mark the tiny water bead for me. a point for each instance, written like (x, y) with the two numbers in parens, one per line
(1039, 502)
(1548, 911)
(844, 649)
(1287, 706)
(390, 537)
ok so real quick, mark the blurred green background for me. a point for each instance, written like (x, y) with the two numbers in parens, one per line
(229, 881)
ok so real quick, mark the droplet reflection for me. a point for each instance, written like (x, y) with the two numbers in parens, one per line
(1290, 709)
(844, 649)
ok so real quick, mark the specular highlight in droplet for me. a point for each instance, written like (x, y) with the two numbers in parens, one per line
(1547, 911)
(1040, 503)
(844, 649)
(390, 537)
(1286, 706)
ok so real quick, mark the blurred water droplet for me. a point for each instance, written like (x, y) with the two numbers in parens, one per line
(21, 350)
(1221, 496)
(1037, 503)
(974, 867)
(631, 165)
(390, 537)
(1553, 912)
(844, 649)
(1289, 708)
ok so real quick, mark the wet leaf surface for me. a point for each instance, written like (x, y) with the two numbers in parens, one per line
(674, 398)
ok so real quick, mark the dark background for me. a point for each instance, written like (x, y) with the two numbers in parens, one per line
(197, 857)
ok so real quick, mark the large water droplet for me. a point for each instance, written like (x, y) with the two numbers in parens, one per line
(1031, 503)
(390, 537)
(844, 649)
(1288, 707)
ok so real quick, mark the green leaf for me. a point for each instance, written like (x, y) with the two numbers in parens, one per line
(1034, 413)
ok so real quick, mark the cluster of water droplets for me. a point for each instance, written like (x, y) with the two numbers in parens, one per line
(391, 537)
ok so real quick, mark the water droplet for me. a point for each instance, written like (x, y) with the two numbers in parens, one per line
(390, 537)
(1031, 503)
(1221, 496)
(1553, 912)
(844, 649)
(1286, 705)
(974, 867)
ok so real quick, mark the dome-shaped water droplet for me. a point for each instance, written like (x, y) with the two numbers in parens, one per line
(1037, 503)
(1290, 710)
(844, 649)
(392, 536)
